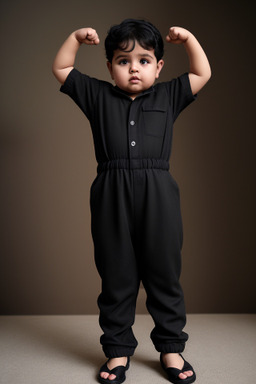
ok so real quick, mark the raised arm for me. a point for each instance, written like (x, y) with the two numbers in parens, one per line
(65, 58)
(199, 67)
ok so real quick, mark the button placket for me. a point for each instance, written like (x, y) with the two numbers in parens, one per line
(132, 129)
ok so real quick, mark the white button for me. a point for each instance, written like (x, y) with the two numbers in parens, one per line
(133, 143)
(132, 122)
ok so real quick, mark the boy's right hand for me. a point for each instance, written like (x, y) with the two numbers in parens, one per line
(65, 58)
(87, 36)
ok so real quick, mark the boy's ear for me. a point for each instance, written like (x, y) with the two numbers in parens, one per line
(160, 65)
(109, 65)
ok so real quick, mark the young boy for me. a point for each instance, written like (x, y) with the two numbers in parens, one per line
(135, 208)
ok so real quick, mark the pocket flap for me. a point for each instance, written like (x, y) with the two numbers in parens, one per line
(147, 108)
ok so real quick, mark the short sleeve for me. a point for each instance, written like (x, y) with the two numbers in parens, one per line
(82, 89)
(180, 94)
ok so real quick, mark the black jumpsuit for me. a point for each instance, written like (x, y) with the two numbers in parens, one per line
(135, 208)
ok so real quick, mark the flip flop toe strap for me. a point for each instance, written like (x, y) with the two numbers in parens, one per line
(105, 368)
(173, 372)
(118, 371)
(187, 367)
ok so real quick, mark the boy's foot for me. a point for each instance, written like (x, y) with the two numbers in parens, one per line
(113, 363)
(174, 360)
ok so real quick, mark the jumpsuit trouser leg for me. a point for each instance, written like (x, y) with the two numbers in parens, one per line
(137, 234)
(160, 234)
(112, 232)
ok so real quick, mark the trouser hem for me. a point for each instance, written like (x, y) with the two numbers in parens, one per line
(170, 348)
(113, 351)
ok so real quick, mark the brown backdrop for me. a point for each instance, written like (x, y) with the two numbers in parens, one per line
(47, 156)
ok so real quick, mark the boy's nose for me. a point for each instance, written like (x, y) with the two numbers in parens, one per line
(133, 69)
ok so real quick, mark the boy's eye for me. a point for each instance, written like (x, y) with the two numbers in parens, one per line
(123, 62)
(144, 61)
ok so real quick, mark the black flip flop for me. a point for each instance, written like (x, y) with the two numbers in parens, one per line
(173, 373)
(118, 371)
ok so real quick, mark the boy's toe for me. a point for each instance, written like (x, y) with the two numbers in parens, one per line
(104, 375)
(189, 373)
(112, 377)
(183, 375)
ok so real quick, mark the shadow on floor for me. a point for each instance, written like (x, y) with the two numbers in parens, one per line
(72, 336)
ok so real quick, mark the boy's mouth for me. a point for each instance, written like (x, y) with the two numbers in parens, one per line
(134, 79)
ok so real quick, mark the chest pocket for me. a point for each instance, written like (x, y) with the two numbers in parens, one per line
(154, 120)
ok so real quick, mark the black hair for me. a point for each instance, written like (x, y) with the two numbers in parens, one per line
(146, 34)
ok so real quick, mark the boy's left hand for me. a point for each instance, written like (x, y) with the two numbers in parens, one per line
(177, 35)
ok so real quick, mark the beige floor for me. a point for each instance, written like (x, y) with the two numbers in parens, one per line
(65, 350)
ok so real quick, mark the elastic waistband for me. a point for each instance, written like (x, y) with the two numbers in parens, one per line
(133, 164)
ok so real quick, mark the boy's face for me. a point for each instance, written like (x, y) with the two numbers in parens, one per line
(135, 71)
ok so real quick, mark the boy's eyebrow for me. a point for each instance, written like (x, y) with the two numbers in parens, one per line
(140, 54)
